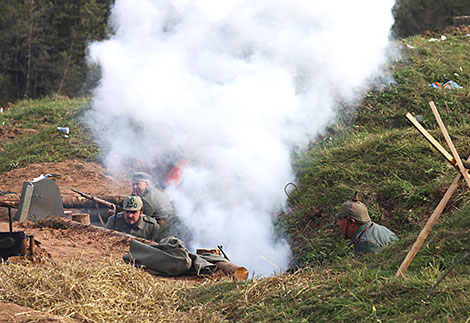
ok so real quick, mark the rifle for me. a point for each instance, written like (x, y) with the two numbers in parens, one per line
(98, 200)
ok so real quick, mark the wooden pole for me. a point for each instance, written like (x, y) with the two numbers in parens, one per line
(427, 228)
(462, 169)
(455, 161)
(431, 140)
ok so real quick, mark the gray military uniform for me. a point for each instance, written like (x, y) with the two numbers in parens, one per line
(370, 237)
(156, 204)
(146, 227)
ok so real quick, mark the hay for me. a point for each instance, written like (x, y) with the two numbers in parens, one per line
(109, 291)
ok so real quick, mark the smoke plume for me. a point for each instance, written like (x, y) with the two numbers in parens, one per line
(233, 87)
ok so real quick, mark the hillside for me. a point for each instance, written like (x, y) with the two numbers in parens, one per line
(373, 150)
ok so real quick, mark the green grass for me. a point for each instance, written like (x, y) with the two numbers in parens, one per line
(429, 62)
(373, 150)
(401, 179)
(400, 176)
(47, 144)
(351, 290)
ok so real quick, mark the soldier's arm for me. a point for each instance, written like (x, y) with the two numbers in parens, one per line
(162, 208)
(155, 235)
(110, 223)
(148, 208)
(152, 229)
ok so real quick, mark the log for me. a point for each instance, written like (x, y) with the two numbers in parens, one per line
(78, 202)
(237, 272)
(12, 200)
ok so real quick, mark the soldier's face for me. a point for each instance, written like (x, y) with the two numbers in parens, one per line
(347, 227)
(343, 225)
(139, 187)
(132, 217)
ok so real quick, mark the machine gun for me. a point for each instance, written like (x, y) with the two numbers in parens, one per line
(98, 200)
(15, 243)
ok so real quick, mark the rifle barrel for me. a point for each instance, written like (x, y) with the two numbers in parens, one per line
(98, 200)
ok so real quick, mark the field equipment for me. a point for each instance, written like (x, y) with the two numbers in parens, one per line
(15, 243)
(39, 200)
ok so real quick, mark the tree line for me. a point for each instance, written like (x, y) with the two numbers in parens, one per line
(43, 45)
(416, 16)
(43, 42)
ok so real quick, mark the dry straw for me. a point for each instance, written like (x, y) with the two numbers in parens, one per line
(112, 291)
(109, 291)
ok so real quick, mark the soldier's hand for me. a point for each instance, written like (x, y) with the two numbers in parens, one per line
(113, 210)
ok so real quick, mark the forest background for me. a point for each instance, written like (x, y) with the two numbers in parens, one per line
(43, 43)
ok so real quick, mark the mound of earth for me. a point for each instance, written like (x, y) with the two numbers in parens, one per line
(87, 177)
(55, 244)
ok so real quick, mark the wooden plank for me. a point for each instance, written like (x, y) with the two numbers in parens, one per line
(431, 140)
(462, 169)
(429, 224)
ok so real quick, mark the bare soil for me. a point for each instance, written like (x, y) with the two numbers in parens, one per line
(90, 178)
(7, 133)
(56, 246)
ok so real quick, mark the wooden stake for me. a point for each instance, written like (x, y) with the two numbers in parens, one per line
(427, 228)
(462, 169)
(455, 161)
(431, 140)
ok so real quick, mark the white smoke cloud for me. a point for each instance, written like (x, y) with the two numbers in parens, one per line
(233, 87)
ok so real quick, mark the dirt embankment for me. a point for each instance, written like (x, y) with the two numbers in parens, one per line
(56, 246)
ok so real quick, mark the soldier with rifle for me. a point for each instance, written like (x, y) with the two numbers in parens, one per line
(133, 221)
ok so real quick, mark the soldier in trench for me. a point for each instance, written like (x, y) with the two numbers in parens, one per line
(354, 223)
(133, 221)
(156, 204)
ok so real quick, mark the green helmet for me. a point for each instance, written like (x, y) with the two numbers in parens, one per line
(355, 209)
(132, 203)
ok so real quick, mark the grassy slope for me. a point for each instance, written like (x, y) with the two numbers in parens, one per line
(400, 176)
(47, 144)
(401, 179)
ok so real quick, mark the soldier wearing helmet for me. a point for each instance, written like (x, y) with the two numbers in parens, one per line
(133, 221)
(156, 204)
(354, 223)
